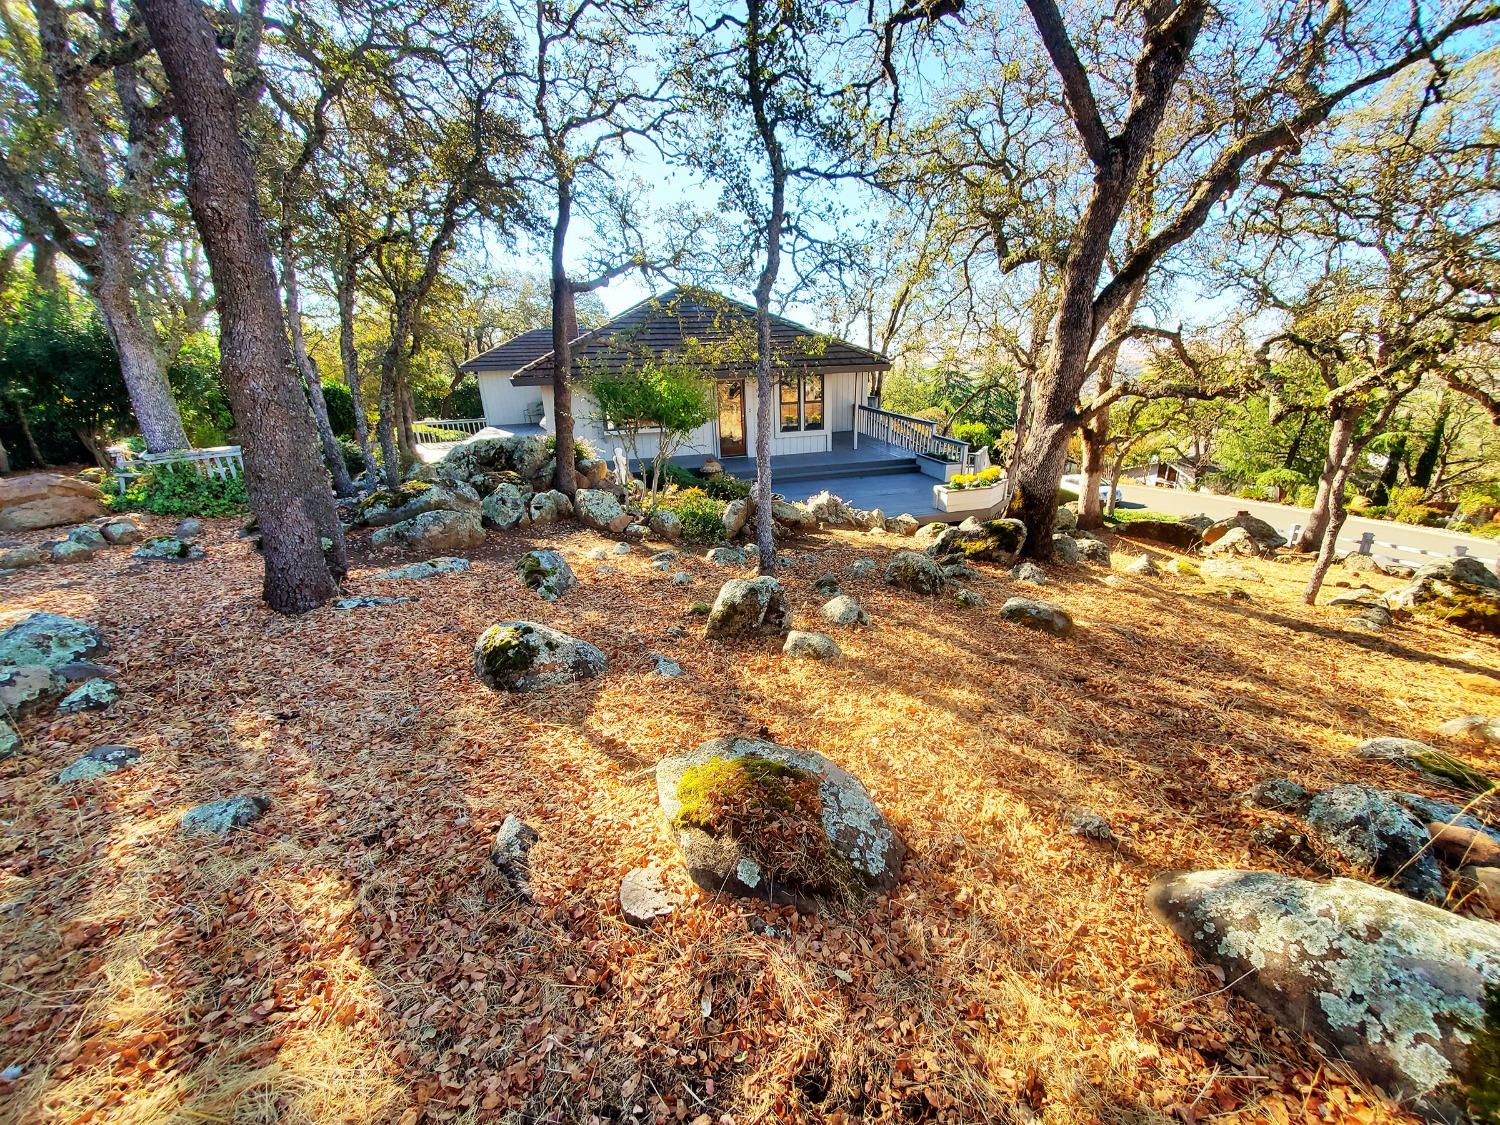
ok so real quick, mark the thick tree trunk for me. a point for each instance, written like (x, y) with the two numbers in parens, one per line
(332, 454)
(284, 473)
(389, 424)
(564, 328)
(140, 355)
(349, 356)
(1340, 438)
(44, 263)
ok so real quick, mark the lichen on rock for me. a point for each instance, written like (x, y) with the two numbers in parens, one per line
(521, 656)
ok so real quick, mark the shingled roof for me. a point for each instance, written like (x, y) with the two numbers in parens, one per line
(514, 353)
(717, 328)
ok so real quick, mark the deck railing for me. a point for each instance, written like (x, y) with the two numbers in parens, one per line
(221, 461)
(435, 431)
(916, 434)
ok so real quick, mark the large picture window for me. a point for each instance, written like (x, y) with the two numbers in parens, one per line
(801, 402)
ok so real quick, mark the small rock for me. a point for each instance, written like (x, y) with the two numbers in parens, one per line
(431, 568)
(189, 528)
(622, 548)
(862, 568)
(1461, 847)
(218, 817)
(827, 585)
(1086, 822)
(676, 631)
(17, 557)
(598, 554)
(664, 666)
(814, 646)
(367, 601)
(97, 762)
(1029, 573)
(968, 599)
(682, 578)
(92, 695)
(1476, 728)
(601, 511)
(1143, 567)
(1430, 762)
(1065, 548)
(1230, 570)
(911, 570)
(726, 556)
(644, 897)
(844, 610)
(904, 524)
(10, 741)
(511, 855)
(1093, 551)
(666, 525)
(1277, 793)
(549, 507)
(167, 549)
(27, 687)
(1041, 615)
(749, 606)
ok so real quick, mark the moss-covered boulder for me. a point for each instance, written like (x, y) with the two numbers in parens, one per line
(49, 639)
(433, 531)
(749, 607)
(757, 819)
(1395, 988)
(912, 570)
(413, 498)
(520, 656)
(546, 572)
(999, 541)
(1433, 764)
(1458, 591)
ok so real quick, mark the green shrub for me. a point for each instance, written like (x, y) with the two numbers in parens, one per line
(181, 490)
(977, 434)
(354, 460)
(340, 408)
(1305, 495)
(982, 479)
(725, 487)
(682, 478)
(702, 516)
(1406, 507)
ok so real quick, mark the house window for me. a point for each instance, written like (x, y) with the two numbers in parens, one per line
(801, 400)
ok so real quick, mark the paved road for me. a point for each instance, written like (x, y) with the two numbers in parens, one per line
(1399, 541)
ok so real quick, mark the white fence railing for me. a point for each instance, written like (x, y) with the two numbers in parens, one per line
(221, 461)
(433, 431)
(916, 434)
(1365, 544)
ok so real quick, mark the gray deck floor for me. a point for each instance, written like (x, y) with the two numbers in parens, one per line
(842, 453)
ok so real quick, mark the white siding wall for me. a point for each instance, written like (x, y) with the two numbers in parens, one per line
(839, 394)
(504, 403)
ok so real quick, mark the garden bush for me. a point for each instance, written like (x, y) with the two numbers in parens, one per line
(181, 490)
(977, 434)
(702, 516)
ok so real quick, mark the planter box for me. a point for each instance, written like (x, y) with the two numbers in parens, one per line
(967, 499)
(936, 467)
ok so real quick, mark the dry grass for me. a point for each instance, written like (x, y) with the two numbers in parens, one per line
(350, 957)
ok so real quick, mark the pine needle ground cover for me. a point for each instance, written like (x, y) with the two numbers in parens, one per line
(353, 957)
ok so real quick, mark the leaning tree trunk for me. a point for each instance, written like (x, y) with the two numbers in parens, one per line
(1340, 439)
(332, 453)
(349, 356)
(140, 357)
(30, 438)
(284, 473)
(1338, 513)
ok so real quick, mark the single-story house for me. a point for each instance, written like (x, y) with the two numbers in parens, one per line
(824, 425)
(821, 378)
